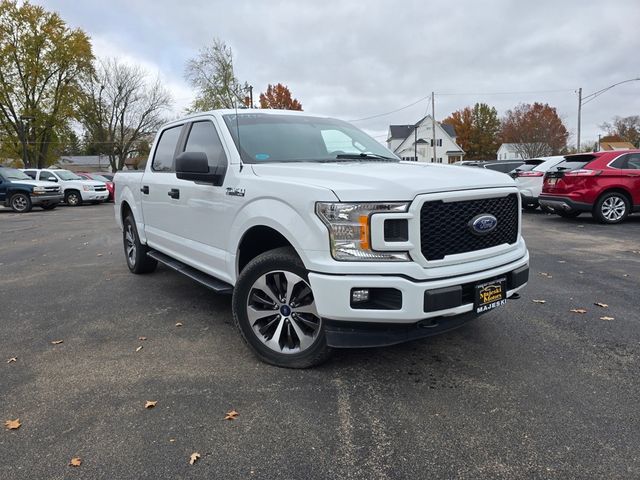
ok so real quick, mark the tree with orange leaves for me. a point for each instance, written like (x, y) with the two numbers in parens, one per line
(279, 97)
(536, 129)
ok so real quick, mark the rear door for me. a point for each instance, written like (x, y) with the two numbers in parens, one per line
(160, 224)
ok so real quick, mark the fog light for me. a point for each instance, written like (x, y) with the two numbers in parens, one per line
(359, 295)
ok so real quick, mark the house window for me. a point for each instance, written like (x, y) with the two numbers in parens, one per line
(439, 159)
(439, 142)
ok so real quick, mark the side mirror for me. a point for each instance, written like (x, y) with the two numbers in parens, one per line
(194, 166)
(51, 179)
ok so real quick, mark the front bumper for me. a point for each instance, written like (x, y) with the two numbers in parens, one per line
(94, 196)
(332, 294)
(563, 204)
(46, 199)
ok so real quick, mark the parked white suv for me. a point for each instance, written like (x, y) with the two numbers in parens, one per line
(75, 188)
(530, 176)
(325, 238)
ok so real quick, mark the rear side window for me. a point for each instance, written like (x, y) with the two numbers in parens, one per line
(166, 149)
(627, 162)
(502, 167)
(204, 138)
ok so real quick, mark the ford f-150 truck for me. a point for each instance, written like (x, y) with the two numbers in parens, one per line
(323, 236)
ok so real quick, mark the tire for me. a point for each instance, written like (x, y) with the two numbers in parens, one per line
(73, 198)
(571, 214)
(286, 332)
(611, 208)
(20, 203)
(530, 207)
(135, 253)
(49, 206)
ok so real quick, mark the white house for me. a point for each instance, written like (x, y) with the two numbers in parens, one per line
(509, 151)
(415, 142)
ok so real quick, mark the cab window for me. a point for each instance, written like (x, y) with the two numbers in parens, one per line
(48, 176)
(204, 138)
(164, 155)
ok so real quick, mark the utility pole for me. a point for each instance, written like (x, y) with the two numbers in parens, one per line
(433, 125)
(415, 142)
(579, 117)
(251, 96)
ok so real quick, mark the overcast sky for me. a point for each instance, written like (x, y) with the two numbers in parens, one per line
(356, 59)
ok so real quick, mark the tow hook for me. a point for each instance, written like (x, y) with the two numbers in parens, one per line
(429, 323)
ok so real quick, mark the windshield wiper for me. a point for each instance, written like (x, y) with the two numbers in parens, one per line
(364, 156)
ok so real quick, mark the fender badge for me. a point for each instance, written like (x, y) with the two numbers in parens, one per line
(235, 192)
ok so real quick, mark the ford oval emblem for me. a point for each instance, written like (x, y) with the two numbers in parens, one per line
(483, 224)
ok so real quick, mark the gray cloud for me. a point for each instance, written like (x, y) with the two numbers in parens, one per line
(356, 59)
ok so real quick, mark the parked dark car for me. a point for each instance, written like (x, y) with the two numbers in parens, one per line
(21, 192)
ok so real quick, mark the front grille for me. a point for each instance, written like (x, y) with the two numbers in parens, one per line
(100, 189)
(444, 227)
(52, 189)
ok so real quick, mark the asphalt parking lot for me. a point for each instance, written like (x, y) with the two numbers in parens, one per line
(532, 390)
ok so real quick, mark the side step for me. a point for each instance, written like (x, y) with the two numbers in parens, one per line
(208, 281)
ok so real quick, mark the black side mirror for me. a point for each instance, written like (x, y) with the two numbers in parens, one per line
(194, 166)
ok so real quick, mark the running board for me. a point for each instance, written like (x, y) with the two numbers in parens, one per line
(208, 281)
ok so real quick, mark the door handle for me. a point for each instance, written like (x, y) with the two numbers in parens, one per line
(174, 193)
(145, 189)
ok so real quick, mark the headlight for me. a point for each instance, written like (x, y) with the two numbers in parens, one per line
(349, 230)
(87, 188)
(39, 190)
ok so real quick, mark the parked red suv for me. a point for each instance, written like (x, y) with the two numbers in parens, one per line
(607, 184)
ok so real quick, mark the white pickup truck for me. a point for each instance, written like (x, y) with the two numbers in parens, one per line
(323, 236)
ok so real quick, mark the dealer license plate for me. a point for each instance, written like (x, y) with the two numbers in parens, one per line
(552, 180)
(490, 295)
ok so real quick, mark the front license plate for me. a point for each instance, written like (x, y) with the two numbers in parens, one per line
(490, 295)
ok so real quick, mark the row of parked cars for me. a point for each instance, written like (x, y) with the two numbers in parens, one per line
(606, 184)
(22, 189)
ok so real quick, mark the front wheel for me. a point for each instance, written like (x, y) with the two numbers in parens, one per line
(73, 198)
(611, 208)
(135, 252)
(275, 312)
(20, 203)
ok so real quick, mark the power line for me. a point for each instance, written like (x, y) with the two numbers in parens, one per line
(524, 92)
(393, 111)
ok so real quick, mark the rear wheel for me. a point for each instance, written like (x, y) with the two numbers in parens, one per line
(274, 309)
(73, 198)
(136, 254)
(20, 203)
(611, 208)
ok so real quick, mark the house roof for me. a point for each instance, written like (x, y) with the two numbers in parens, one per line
(616, 146)
(95, 160)
(403, 131)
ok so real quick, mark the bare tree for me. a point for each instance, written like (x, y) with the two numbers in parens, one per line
(211, 73)
(121, 108)
(627, 128)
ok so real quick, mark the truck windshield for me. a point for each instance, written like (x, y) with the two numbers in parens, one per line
(14, 174)
(265, 138)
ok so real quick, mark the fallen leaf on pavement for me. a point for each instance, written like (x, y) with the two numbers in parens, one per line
(99, 255)
(578, 310)
(75, 462)
(56, 342)
(231, 415)
(139, 348)
(562, 261)
(539, 301)
(607, 318)
(193, 458)
(625, 275)
(599, 304)
(545, 274)
(150, 403)
(142, 339)
(12, 424)
(179, 324)
(12, 359)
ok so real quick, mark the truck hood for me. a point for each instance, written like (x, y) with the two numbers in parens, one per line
(36, 183)
(382, 181)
